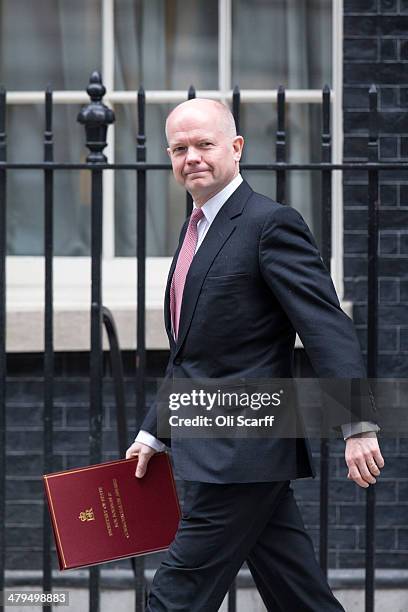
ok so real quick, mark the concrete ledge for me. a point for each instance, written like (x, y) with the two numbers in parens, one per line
(72, 298)
(117, 590)
(123, 579)
(25, 328)
(248, 600)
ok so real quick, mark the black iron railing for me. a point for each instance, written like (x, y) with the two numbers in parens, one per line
(96, 117)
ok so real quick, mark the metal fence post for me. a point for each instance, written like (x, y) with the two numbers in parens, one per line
(191, 94)
(3, 362)
(281, 148)
(236, 107)
(326, 256)
(96, 117)
(48, 334)
(372, 328)
(139, 564)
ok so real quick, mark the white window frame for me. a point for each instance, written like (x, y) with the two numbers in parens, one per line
(72, 274)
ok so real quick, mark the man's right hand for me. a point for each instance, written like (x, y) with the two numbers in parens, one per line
(363, 458)
(143, 452)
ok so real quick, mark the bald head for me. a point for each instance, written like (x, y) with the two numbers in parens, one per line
(203, 147)
(212, 110)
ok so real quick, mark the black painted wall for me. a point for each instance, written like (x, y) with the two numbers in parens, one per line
(376, 51)
(71, 443)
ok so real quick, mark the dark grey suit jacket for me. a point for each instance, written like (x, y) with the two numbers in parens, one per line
(255, 281)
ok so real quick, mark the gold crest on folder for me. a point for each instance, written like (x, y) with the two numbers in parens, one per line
(87, 515)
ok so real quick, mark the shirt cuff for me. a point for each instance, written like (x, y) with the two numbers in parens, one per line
(352, 429)
(146, 438)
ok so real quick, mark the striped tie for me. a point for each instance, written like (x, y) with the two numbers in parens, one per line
(184, 260)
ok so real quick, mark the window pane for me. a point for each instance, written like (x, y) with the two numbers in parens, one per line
(25, 188)
(46, 42)
(166, 201)
(284, 42)
(258, 124)
(166, 44)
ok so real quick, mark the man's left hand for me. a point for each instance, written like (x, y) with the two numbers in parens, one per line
(363, 458)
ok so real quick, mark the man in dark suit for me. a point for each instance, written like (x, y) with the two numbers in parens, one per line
(245, 278)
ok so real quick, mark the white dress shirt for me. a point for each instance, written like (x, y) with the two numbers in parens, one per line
(212, 207)
(210, 210)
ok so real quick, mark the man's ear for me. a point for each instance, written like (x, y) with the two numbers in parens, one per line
(238, 145)
(168, 151)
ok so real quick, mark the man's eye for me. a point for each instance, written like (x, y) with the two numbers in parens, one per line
(206, 144)
(178, 149)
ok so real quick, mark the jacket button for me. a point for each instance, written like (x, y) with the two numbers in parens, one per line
(177, 361)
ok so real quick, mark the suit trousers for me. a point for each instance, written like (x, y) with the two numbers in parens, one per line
(222, 526)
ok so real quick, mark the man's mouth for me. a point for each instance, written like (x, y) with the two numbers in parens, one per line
(196, 172)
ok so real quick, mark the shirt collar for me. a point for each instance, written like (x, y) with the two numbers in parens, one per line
(214, 204)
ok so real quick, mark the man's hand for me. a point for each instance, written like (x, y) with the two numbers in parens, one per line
(363, 458)
(143, 452)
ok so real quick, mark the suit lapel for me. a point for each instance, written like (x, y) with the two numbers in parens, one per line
(221, 229)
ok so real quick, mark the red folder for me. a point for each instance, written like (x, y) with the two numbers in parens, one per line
(102, 512)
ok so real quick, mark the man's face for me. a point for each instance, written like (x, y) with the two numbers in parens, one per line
(205, 158)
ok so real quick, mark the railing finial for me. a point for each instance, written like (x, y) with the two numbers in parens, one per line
(96, 117)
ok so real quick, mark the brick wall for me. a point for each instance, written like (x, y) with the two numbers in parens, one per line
(24, 491)
(376, 51)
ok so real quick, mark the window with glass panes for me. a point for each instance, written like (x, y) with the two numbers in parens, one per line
(166, 46)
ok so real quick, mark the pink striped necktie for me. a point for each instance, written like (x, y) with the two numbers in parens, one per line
(184, 260)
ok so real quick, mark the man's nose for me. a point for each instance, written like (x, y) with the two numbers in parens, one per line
(193, 156)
